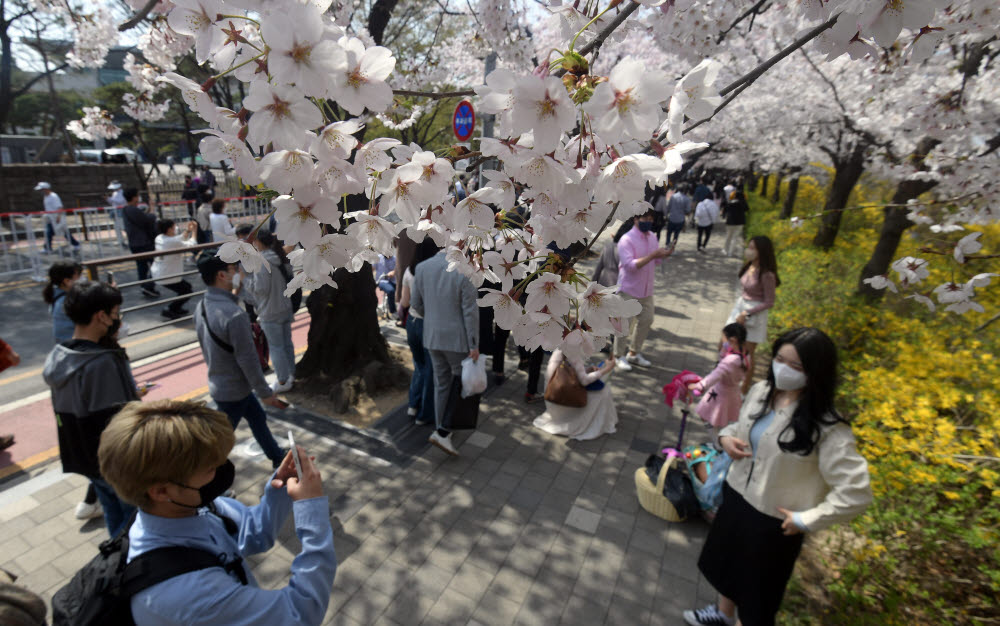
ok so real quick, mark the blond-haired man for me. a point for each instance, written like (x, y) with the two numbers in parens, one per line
(170, 458)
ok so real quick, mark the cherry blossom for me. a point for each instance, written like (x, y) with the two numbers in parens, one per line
(96, 124)
(967, 245)
(281, 114)
(359, 80)
(627, 105)
(286, 170)
(542, 106)
(694, 97)
(244, 253)
(299, 216)
(507, 311)
(299, 55)
(196, 19)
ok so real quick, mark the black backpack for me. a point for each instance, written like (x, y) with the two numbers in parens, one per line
(101, 592)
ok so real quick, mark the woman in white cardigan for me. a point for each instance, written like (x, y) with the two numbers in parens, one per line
(597, 418)
(795, 470)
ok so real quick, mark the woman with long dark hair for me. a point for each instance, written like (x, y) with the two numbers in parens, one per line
(421, 401)
(795, 470)
(758, 280)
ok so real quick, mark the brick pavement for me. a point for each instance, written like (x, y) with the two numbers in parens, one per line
(523, 527)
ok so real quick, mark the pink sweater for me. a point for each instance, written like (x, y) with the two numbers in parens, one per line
(758, 289)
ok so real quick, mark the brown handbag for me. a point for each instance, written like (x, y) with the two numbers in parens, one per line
(564, 387)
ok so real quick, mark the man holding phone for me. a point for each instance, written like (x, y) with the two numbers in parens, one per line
(638, 255)
(234, 372)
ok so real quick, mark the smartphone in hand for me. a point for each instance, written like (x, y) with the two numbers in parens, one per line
(295, 455)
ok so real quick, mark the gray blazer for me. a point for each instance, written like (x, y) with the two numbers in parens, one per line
(447, 302)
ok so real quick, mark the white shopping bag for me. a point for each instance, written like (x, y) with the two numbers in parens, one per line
(473, 376)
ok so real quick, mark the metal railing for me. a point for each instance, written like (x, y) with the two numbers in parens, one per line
(99, 231)
(93, 269)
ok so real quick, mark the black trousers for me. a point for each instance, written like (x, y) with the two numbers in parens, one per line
(705, 231)
(534, 358)
(181, 288)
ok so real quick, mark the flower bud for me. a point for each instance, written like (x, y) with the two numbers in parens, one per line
(208, 84)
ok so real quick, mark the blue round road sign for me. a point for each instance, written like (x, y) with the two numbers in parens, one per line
(463, 122)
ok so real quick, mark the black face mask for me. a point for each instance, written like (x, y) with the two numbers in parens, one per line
(225, 474)
(116, 325)
(645, 226)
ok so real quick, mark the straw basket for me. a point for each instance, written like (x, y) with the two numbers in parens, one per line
(651, 496)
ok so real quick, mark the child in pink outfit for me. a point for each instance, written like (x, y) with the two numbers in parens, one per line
(720, 401)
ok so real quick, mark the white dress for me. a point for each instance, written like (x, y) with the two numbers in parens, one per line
(598, 418)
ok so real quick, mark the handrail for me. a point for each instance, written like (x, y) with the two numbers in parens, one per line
(92, 266)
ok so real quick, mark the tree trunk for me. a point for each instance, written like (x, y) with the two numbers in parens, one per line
(793, 190)
(378, 19)
(896, 222)
(847, 171)
(776, 195)
(344, 334)
(750, 178)
(763, 186)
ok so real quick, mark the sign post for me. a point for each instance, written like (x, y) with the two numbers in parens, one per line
(463, 121)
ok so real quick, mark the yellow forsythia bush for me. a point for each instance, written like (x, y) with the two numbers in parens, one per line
(921, 390)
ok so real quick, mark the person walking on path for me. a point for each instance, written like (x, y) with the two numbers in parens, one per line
(735, 212)
(170, 458)
(678, 207)
(141, 228)
(447, 303)
(795, 470)
(55, 219)
(706, 214)
(638, 255)
(421, 396)
(90, 379)
(234, 372)
(759, 281)
(273, 308)
(173, 264)
(116, 202)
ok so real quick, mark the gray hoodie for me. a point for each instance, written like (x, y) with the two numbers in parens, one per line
(268, 291)
(89, 384)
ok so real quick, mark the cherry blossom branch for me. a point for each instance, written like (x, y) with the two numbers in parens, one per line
(741, 83)
(754, 10)
(138, 17)
(974, 257)
(987, 323)
(600, 231)
(434, 95)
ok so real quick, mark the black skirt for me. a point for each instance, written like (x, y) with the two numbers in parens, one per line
(748, 559)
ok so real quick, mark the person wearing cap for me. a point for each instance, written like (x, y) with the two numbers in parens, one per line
(234, 371)
(116, 202)
(55, 220)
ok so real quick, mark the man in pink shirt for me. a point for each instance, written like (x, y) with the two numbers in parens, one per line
(638, 255)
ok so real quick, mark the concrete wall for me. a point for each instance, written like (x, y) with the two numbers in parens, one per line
(76, 184)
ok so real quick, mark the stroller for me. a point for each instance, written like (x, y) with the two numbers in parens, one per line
(663, 485)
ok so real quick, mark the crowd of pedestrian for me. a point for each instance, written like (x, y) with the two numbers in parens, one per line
(160, 471)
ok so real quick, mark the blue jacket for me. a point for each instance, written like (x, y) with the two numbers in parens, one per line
(62, 326)
(212, 596)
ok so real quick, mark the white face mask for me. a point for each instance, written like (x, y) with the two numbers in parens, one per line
(236, 280)
(786, 378)
(750, 254)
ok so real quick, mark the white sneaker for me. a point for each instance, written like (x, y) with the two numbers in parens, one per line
(283, 387)
(622, 365)
(708, 616)
(85, 510)
(443, 442)
(638, 360)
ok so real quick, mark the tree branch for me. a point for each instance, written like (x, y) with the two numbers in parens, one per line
(435, 95)
(23, 89)
(754, 10)
(138, 17)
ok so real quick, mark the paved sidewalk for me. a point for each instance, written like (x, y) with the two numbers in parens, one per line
(523, 527)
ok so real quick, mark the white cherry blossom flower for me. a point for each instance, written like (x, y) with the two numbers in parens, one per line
(244, 253)
(539, 330)
(881, 282)
(543, 173)
(196, 18)
(548, 292)
(299, 216)
(625, 179)
(299, 55)
(507, 265)
(884, 19)
(402, 193)
(911, 270)
(694, 97)
(507, 311)
(924, 300)
(359, 81)
(967, 245)
(219, 146)
(331, 251)
(506, 197)
(336, 140)
(474, 211)
(338, 177)
(195, 97)
(627, 105)
(285, 170)
(373, 232)
(578, 344)
(307, 282)
(373, 155)
(542, 106)
(281, 115)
